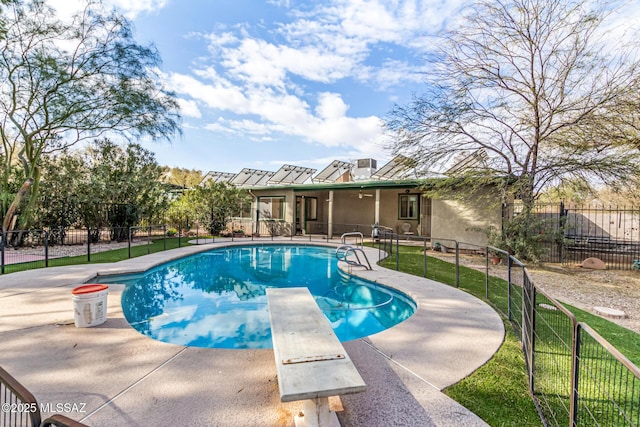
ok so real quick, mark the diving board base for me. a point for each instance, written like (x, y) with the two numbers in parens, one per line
(316, 413)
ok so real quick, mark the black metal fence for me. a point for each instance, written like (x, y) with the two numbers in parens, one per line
(572, 233)
(29, 249)
(576, 377)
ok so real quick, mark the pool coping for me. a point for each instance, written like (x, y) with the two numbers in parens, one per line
(123, 377)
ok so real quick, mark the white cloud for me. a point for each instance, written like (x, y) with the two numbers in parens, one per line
(331, 106)
(189, 108)
(130, 8)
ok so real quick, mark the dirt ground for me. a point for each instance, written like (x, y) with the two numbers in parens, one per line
(580, 287)
(587, 289)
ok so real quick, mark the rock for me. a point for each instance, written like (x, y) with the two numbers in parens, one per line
(594, 264)
(610, 312)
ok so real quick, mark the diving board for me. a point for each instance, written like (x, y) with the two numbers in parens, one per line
(311, 362)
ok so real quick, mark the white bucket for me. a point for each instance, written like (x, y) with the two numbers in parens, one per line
(90, 305)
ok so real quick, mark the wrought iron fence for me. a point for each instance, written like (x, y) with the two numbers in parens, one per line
(572, 233)
(576, 377)
(30, 249)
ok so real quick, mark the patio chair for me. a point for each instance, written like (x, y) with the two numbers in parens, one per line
(406, 229)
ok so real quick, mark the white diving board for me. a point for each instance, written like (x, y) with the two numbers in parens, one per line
(311, 362)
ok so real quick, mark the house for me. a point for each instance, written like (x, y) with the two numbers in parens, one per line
(347, 197)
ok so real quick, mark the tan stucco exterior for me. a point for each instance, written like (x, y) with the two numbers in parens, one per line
(342, 209)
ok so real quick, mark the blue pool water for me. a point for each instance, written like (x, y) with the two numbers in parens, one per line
(217, 299)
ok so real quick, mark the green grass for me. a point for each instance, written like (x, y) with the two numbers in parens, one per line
(498, 391)
(156, 245)
(625, 341)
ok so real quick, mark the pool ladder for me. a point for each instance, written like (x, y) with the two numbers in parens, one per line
(342, 254)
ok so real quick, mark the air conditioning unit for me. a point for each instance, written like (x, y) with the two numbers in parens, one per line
(364, 168)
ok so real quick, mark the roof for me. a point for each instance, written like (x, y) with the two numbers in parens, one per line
(413, 183)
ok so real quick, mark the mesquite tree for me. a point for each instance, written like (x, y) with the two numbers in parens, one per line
(65, 82)
(532, 83)
(534, 87)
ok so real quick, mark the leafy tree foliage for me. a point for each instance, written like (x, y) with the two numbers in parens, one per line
(128, 179)
(213, 204)
(61, 83)
(104, 185)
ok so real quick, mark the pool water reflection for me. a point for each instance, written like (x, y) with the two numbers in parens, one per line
(217, 299)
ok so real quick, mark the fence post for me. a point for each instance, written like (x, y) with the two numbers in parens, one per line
(457, 264)
(3, 240)
(397, 252)
(164, 237)
(88, 244)
(129, 245)
(424, 256)
(575, 366)
(486, 272)
(509, 287)
(46, 248)
(148, 240)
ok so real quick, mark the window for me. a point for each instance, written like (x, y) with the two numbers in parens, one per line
(271, 207)
(311, 208)
(408, 206)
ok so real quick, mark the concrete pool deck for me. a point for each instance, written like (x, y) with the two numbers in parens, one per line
(112, 375)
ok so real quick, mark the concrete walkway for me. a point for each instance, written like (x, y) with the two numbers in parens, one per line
(112, 375)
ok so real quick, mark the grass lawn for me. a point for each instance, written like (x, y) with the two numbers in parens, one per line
(498, 391)
(156, 245)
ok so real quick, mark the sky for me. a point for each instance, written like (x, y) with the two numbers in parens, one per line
(267, 83)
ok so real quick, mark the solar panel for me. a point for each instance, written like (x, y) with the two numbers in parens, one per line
(333, 172)
(251, 177)
(217, 177)
(290, 174)
(398, 168)
(474, 161)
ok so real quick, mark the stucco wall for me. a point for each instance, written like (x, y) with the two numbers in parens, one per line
(464, 220)
(449, 218)
(349, 209)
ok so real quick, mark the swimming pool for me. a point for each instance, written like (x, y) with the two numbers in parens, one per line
(217, 299)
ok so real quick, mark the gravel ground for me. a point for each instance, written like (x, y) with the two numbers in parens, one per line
(587, 289)
(579, 287)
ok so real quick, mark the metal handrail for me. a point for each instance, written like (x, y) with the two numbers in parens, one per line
(356, 234)
(14, 393)
(342, 254)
